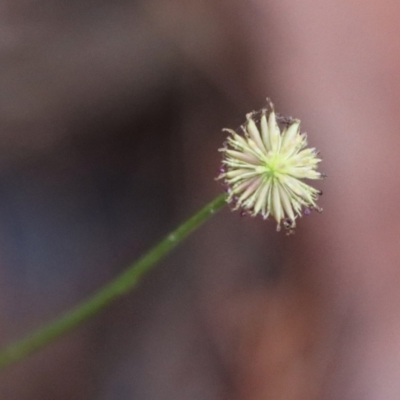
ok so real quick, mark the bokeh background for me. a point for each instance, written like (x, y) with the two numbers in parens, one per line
(110, 120)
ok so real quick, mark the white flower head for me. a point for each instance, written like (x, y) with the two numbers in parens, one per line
(263, 168)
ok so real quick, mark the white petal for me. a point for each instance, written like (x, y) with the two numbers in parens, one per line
(243, 157)
(238, 172)
(274, 132)
(243, 176)
(304, 173)
(290, 133)
(233, 163)
(253, 132)
(262, 197)
(287, 206)
(240, 187)
(277, 210)
(265, 132)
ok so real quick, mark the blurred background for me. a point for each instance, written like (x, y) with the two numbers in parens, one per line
(110, 120)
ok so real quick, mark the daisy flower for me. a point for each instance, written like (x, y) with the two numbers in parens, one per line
(263, 168)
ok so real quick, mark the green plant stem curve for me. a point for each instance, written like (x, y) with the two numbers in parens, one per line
(122, 284)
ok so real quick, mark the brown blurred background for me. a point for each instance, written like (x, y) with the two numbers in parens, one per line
(110, 120)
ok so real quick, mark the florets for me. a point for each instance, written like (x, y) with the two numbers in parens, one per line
(263, 168)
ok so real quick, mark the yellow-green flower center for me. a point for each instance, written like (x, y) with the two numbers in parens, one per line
(273, 166)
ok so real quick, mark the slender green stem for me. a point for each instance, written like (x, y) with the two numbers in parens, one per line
(122, 284)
